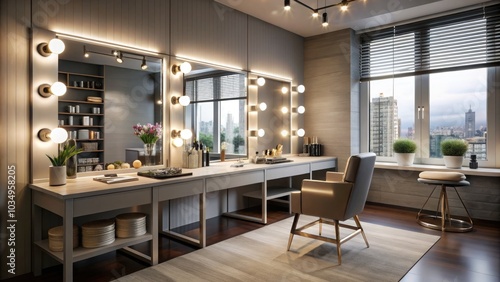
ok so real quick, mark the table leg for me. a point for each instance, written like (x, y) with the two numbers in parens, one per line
(68, 241)
(36, 215)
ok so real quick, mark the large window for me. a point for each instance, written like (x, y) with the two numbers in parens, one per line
(217, 111)
(431, 81)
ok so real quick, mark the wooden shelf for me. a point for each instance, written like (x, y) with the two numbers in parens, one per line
(81, 253)
(82, 74)
(85, 88)
(272, 193)
(81, 101)
(79, 114)
(81, 126)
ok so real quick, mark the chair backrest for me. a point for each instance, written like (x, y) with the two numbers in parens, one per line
(359, 171)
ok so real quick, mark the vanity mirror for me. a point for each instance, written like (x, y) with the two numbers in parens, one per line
(275, 120)
(110, 89)
(217, 112)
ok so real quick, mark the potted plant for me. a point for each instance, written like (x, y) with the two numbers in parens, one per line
(404, 150)
(453, 151)
(57, 171)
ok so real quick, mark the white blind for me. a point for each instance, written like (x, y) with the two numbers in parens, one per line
(460, 41)
(216, 86)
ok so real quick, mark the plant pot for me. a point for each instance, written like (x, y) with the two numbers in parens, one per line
(405, 159)
(57, 175)
(453, 161)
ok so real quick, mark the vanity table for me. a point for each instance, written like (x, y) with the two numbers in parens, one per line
(83, 196)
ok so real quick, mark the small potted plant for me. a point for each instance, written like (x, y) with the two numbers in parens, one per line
(57, 171)
(453, 151)
(404, 150)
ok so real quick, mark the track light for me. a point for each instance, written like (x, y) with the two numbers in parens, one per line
(57, 89)
(343, 5)
(57, 135)
(325, 20)
(55, 46)
(287, 5)
(115, 52)
(119, 57)
(315, 13)
(144, 65)
(85, 53)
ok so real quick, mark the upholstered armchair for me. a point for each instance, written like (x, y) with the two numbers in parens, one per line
(342, 196)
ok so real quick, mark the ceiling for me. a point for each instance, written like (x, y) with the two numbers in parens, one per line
(361, 15)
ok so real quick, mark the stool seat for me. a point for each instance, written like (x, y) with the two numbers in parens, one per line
(444, 222)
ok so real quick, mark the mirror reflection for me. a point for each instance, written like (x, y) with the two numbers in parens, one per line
(217, 111)
(275, 120)
(109, 91)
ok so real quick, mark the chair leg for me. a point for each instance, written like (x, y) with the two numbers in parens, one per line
(358, 223)
(337, 239)
(292, 231)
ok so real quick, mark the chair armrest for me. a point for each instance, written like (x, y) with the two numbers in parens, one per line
(334, 176)
(295, 204)
(325, 198)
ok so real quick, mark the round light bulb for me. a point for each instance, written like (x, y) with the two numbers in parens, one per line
(301, 88)
(56, 46)
(261, 81)
(315, 14)
(184, 100)
(284, 110)
(178, 142)
(261, 132)
(58, 135)
(301, 132)
(284, 90)
(58, 88)
(284, 132)
(186, 134)
(185, 67)
(301, 109)
(262, 106)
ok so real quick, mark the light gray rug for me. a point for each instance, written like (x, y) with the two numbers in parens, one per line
(261, 255)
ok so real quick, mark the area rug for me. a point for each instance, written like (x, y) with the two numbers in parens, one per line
(261, 255)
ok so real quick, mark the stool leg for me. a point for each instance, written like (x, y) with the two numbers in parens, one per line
(442, 200)
(463, 204)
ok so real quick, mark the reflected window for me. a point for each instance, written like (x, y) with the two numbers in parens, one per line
(217, 111)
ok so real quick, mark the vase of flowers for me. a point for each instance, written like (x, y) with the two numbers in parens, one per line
(149, 134)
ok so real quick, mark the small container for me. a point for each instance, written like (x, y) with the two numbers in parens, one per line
(91, 121)
(86, 120)
(70, 120)
(83, 134)
(97, 134)
(77, 109)
(91, 134)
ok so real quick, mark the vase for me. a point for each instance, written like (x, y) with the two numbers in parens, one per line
(57, 175)
(404, 159)
(149, 153)
(453, 161)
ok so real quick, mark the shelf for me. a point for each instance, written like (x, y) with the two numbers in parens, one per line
(86, 140)
(82, 74)
(81, 102)
(79, 114)
(93, 151)
(82, 253)
(272, 192)
(81, 126)
(85, 88)
(90, 164)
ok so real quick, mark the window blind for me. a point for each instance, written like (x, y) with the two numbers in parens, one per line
(464, 40)
(215, 86)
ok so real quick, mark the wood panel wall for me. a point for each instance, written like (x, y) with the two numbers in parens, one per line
(207, 30)
(332, 94)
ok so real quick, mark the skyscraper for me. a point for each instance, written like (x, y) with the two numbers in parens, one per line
(384, 123)
(470, 124)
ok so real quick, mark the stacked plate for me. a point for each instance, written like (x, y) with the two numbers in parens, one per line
(98, 233)
(130, 225)
(56, 238)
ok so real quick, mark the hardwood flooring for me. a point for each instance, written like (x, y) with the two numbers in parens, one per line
(456, 257)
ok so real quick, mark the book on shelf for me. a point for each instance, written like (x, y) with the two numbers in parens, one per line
(115, 179)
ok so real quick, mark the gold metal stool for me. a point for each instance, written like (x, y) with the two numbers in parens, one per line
(444, 222)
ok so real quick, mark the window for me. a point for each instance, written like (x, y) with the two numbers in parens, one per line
(433, 80)
(217, 111)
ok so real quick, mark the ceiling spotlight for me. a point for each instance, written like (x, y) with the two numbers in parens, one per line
(315, 13)
(325, 20)
(55, 46)
(343, 5)
(287, 5)
(85, 53)
(144, 65)
(119, 57)
(115, 52)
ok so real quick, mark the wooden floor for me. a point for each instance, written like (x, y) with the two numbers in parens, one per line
(472, 256)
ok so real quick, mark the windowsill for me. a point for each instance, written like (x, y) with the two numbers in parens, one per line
(493, 172)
